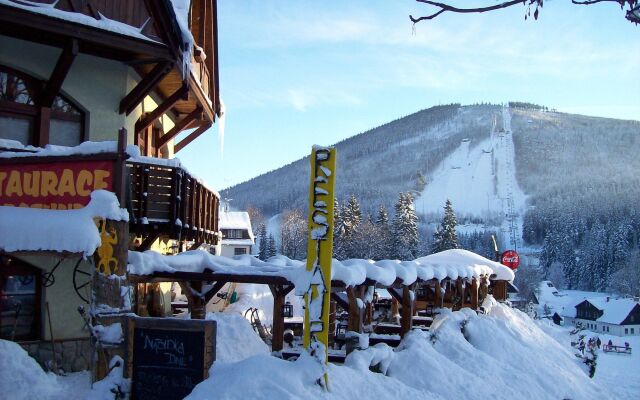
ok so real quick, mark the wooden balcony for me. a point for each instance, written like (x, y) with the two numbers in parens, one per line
(169, 202)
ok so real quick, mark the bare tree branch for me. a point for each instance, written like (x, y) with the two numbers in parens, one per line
(632, 14)
(446, 7)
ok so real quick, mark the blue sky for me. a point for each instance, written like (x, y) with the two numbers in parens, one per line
(294, 74)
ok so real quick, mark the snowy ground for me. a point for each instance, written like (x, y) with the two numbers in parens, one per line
(501, 355)
(619, 374)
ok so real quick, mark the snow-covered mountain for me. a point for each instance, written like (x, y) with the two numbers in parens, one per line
(496, 164)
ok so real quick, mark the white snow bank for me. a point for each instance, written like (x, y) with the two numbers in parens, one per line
(22, 378)
(502, 355)
(447, 264)
(32, 229)
(106, 388)
(235, 338)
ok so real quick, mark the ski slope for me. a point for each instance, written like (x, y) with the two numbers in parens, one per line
(480, 180)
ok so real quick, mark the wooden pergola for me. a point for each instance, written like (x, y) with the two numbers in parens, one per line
(457, 294)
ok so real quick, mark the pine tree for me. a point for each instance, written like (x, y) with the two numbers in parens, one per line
(445, 238)
(404, 229)
(262, 236)
(351, 218)
(384, 234)
(271, 246)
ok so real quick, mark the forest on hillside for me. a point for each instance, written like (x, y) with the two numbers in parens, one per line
(579, 173)
(375, 165)
(584, 205)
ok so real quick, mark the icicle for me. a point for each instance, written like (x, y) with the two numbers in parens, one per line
(221, 126)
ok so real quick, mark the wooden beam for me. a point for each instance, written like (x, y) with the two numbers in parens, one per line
(210, 277)
(339, 300)
(144, 87)
(152, 116)
(181, 125)
(28, 25)
(394, 292)
(474, 294)
(195, 245)
(197, 305)
(192, 136)
(60, 71)
(406, 316)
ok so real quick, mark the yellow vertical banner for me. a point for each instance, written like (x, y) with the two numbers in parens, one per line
(320, 253)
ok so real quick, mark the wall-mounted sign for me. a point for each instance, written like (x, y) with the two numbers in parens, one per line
(510, 258)
(59, 185)
(167, 357)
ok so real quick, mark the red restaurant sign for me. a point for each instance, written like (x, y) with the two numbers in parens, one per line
(57, 185)
(510, 258)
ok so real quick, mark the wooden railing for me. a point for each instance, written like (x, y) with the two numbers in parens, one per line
(203, 75)
(168, 201)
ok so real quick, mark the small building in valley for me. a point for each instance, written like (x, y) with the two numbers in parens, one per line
(620, 317)
(237, 235)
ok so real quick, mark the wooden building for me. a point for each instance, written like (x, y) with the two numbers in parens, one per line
(79, 71)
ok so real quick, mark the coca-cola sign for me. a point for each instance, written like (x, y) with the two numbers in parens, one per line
(511, 259)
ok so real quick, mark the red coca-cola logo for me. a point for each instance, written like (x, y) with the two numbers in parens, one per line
(511, 259)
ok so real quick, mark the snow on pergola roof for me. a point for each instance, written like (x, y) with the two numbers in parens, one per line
(452, 264)
(72, 231)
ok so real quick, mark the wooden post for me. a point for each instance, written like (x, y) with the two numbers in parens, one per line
(355, 315)
(406, 316)
(196, 303)
(438, 295)
(277, 331)
(474, 294)
(459, 295)
(108, 279)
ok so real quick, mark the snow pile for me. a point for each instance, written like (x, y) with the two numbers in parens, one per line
(74, 231)
(50, 150)
(233, 329)
(451, 264)
(113, 383)
(502, 355)
(22, 378)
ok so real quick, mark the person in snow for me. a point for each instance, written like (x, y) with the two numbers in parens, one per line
(598, 341)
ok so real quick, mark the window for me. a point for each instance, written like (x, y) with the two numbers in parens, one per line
(239, 251)
(20, 294)
(626, 331)
(234, 234)
(20, 110)
(632, 330)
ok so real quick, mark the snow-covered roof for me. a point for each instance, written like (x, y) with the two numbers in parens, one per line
(614, 310)
(236, 220)
(351, 272)
(74, 231)
(84, 148)
(467, 264)
(103, 22)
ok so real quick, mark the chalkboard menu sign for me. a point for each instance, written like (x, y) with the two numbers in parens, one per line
(168, 357)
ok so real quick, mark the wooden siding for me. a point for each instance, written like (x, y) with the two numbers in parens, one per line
(170, 202)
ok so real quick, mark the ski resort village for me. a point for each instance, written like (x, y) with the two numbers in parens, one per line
(394, 200)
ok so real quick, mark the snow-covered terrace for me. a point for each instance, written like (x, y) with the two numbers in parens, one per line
(198, 264)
